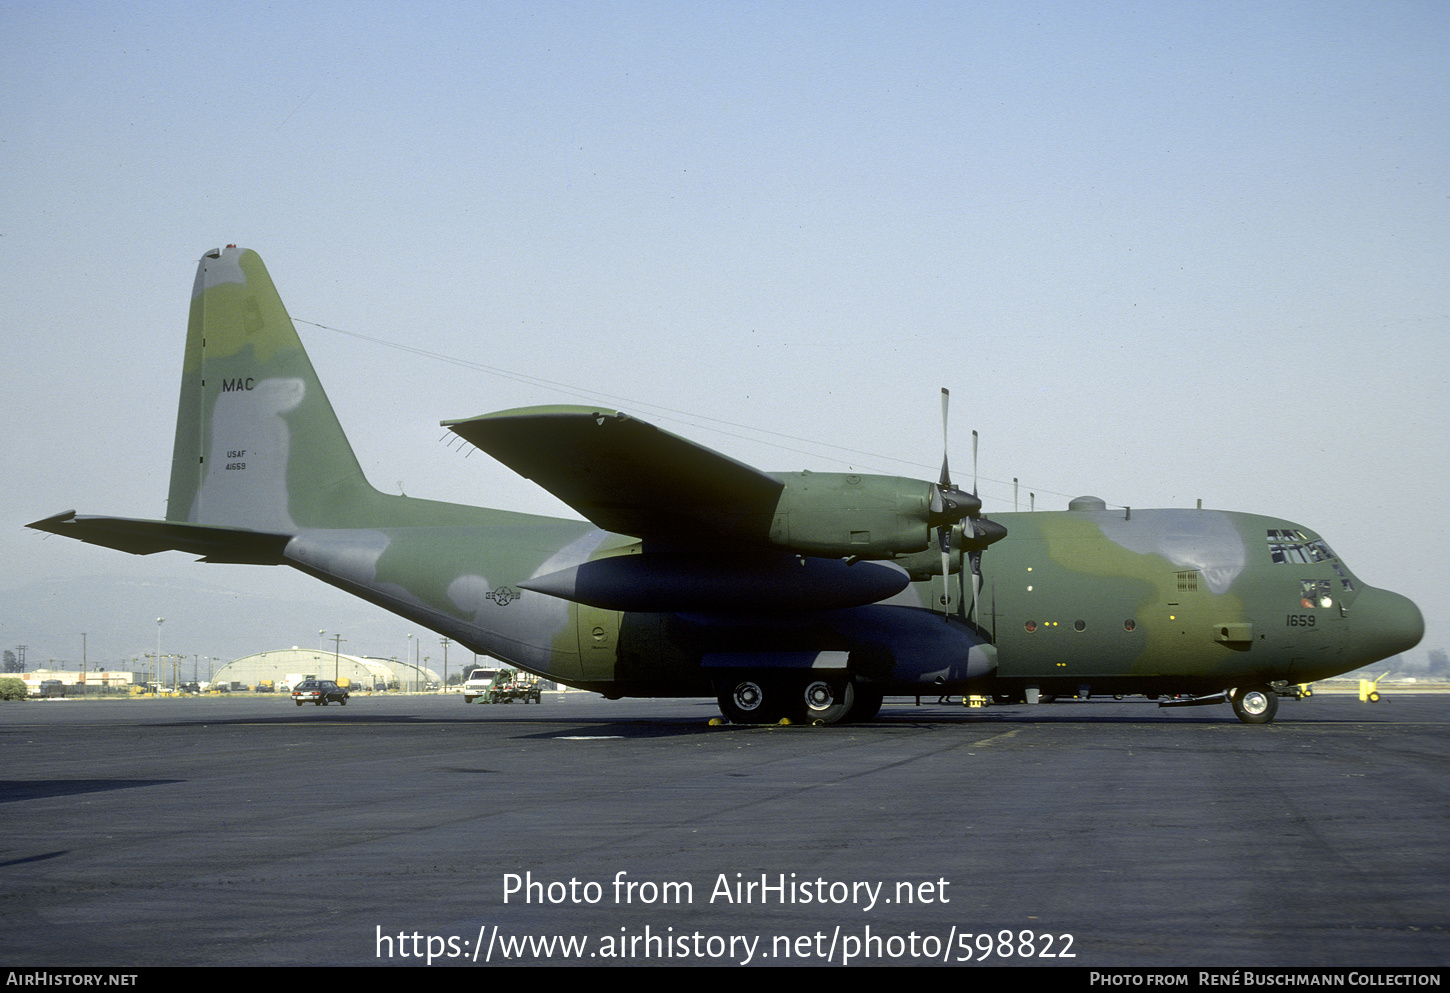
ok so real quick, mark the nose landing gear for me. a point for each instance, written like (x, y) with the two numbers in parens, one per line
(1255, 704)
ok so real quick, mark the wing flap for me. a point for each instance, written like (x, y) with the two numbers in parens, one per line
(626, 475)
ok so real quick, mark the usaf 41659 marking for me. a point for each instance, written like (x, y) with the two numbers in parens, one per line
(803, 595)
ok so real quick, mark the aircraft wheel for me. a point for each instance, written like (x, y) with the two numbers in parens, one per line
(749, 699)
(1255, 704)
(828, 701)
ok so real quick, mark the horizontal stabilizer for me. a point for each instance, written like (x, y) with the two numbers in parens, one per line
(143, 537)
(666, 583)
(626, 475)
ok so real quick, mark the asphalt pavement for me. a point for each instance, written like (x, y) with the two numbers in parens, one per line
(419, 830)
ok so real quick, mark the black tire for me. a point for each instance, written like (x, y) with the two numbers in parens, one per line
(343, 701)
(749, 698)
(1255, 704)
(298, 702)
(827, 699)
(867, 705)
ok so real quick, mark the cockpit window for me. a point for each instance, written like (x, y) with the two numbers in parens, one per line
(1288, 545)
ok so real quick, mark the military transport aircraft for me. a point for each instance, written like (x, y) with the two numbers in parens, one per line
(806, 595)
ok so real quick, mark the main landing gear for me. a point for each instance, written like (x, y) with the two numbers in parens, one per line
(803, 698)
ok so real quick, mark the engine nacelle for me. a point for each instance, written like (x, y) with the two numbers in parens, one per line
(852, 514)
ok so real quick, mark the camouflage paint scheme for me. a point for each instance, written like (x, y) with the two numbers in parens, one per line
(705, 576)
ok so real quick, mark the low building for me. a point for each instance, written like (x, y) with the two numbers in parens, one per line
(280, 668)
(101, 682)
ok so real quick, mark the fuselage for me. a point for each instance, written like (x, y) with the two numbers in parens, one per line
(1096, 601)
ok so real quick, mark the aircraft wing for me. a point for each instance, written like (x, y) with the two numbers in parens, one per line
(626, 475)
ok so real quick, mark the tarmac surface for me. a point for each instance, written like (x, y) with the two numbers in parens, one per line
(418, 830)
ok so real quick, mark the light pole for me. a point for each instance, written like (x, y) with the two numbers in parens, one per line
(159, 621)
(337, 641)
(444, 688)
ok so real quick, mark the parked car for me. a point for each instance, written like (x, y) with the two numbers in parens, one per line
(319, 692)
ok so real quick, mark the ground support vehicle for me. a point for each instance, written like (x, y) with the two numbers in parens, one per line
(501, 686)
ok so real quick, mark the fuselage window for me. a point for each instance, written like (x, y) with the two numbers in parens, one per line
(1314, 593)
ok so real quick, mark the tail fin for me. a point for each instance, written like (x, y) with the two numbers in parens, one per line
(257, 443)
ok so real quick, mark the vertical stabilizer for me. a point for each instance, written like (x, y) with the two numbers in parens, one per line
(257, 443)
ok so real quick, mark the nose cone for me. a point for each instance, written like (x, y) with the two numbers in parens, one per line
(1385, 624)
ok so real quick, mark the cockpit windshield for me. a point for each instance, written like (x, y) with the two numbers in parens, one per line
(1286, 545)
(1290, 546)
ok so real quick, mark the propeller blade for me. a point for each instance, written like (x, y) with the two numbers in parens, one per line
(944, 536)
(976, 584)
(962, 573)
(946, 478)
(974, 462)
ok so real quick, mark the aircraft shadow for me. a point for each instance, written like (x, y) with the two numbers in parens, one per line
(12, 790)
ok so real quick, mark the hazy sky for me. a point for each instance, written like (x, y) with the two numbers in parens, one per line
(1158, 251)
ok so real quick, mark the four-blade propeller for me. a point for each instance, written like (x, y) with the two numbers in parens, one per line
(951, 506)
